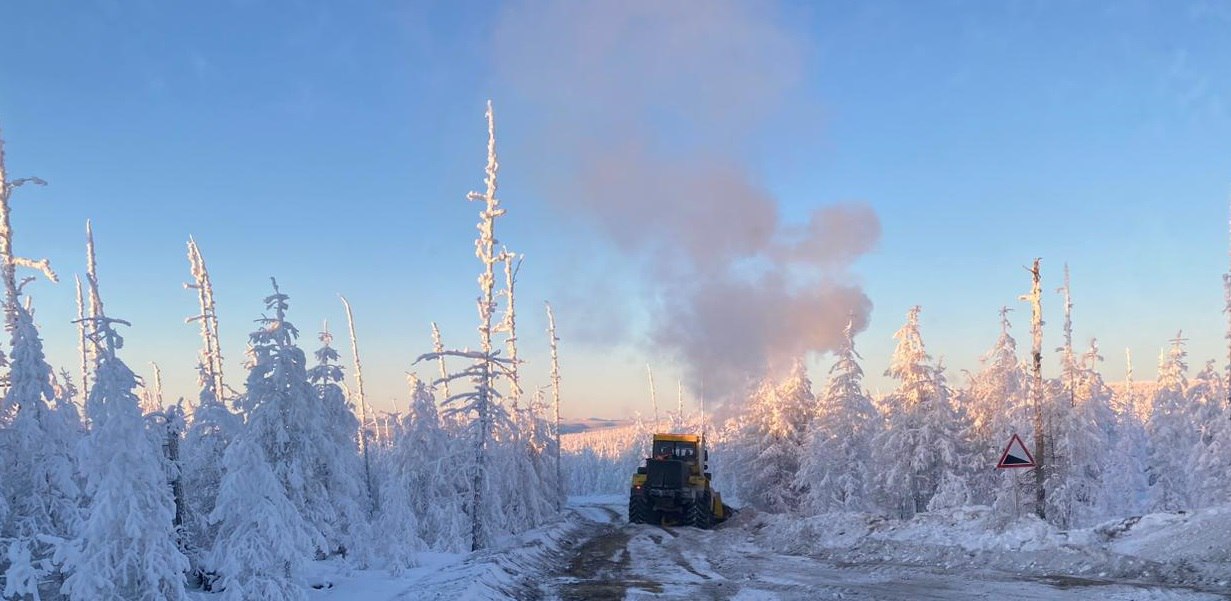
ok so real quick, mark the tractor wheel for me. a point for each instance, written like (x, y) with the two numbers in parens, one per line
(638, 510)
(700, 514)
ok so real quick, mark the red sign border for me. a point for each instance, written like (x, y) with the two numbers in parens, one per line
(1001, 464)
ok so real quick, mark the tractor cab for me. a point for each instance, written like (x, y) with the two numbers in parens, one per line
(679, 450)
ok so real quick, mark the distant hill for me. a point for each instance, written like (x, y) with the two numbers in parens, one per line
(587, 424)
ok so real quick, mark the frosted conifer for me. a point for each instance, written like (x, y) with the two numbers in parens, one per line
(771, 441)
(1084, 444)
(920, 445)
(835, 467)
(287, 417)
(126, 547)
(262, 541)
(211, 429)
(342, 465)
(39, 491)
(1172, 436)
(998, 409)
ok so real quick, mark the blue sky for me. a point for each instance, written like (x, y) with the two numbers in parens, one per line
(333, 146)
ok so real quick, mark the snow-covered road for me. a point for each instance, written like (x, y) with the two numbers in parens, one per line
(623, 561)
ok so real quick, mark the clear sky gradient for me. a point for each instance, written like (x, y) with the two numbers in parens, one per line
(332, 145)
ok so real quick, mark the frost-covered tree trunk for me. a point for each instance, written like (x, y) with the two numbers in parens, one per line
(553, 340)
(83, 346)
(653, 393)
(9, 262)
(486, 365)
(211, 353)
(1226, 284)
(438, 347)
(126, 548)
(363, 400)
(508, 325)
(679, 398)
(1035, 298)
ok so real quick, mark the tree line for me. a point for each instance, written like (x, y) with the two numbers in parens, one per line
(105, 493)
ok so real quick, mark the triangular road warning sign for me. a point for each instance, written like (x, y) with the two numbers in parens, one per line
(1015, 455)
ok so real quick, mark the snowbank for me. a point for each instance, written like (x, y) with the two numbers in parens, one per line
(1191, 549)
(513, 568)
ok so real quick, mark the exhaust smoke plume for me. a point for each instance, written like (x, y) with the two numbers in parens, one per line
(644, 112)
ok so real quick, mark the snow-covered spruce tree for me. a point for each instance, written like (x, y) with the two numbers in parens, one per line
(40, 483)
(1127, 491)
(1060, 398)
(1078, 487)
(920, 447)
(519, 467)
(834, 470)
(289, 421)
(262, 540)
(39, 491)
(1207, 401)
(1081, 425)
(210, 432)
(535, 491)
(343, 470)
(397, 516)
(482, 405)
(126, 548)
(998, 409)
(1210, 472)
(954, 489)
(422, 479)
(1172, 435)
(770, 441)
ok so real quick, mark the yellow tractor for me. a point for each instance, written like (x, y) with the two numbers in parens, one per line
(673, 487)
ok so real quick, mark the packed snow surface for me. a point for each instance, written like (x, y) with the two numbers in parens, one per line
(592, 553)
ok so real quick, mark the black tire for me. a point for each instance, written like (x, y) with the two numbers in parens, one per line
(700, 514)
(638, 509)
